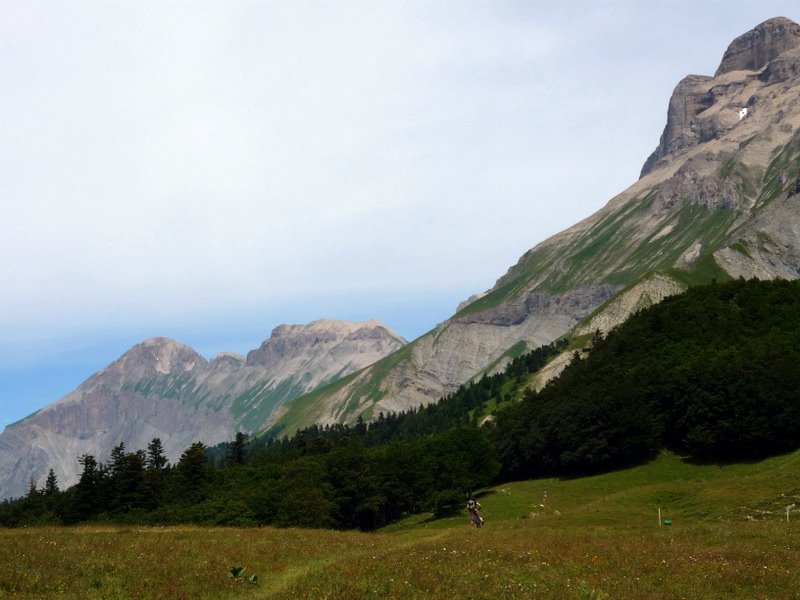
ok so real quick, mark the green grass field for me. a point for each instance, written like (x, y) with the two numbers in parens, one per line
(594, 537)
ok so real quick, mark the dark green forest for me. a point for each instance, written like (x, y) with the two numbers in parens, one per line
(713, 374)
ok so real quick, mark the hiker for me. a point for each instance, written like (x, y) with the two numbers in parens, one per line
(474, 510)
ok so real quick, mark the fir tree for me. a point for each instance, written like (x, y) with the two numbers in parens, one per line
(156, 460)
(51, 484)
(194, 472)
(236, 449)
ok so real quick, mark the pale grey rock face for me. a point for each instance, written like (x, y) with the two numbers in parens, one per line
(644, 294)
(768, 246)
(162, 388)
(459, 349)
(576, 304)
(466, 345)
(336, 338)
(228, 359)
(688, 186)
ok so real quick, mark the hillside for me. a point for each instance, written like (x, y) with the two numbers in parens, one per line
(716, 200)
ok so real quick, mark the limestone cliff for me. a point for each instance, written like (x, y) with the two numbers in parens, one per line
(751, 52)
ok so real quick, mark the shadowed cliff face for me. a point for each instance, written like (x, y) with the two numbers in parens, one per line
(162, 388)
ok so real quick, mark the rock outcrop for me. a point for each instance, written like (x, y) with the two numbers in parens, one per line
(290, 344)
(645, 293)
(762, 44)
(688, 100)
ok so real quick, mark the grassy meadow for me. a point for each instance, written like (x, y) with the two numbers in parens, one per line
(594, 537)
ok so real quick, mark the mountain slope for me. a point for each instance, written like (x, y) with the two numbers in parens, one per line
(162, 388)
(718, 198)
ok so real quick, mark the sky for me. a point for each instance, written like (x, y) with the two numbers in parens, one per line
(206, 171)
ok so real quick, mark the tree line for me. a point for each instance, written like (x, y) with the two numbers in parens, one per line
(340, 484)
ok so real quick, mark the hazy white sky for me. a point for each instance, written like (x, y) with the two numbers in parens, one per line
(208, 170)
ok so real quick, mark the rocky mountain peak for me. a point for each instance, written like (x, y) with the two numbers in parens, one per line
(289, 341)
(703, 109)
(152, 357)
(324, 327)
(162, 355)
(751, 51)
(163, 388)
(228, 359)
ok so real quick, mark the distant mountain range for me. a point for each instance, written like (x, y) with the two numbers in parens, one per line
(719, 198)
(162, 388)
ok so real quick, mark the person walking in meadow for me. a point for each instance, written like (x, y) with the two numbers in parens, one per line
(473, 507)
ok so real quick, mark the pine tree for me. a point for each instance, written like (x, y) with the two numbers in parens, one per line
(51, 484)
(117, 464)
(194, 472)
(155, 465)
(32, 491)
(87, 501)
(156, 460)
(236, 449)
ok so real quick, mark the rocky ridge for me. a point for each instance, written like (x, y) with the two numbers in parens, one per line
(762, 55)
(163, 388)
(717, 198)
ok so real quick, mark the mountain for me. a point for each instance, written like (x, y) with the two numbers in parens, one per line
(719, 198)
(162, 388)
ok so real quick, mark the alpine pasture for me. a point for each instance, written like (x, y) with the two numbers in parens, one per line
(593, 537)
